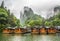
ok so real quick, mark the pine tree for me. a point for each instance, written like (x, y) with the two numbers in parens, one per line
(2, 4)
(8, 12)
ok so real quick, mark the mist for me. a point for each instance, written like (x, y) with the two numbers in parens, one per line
(40, 7)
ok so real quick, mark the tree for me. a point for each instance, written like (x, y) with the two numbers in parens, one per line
(34, 22)
(48, 23)
(12, 20)
(3, 18)
(56, 22)
(2, 5)
(7, 19)
(18, 23)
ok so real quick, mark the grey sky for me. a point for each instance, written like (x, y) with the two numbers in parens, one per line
(41, 7)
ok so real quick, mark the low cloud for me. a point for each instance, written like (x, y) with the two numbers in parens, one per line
(41, 7)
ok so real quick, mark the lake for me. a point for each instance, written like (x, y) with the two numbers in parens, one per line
(29, 37)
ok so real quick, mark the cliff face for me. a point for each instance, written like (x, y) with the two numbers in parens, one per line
(57, 10)
(26, 14)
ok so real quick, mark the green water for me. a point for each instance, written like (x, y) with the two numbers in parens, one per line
(29, 37)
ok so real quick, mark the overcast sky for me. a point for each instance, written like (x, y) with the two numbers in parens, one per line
(40, 7)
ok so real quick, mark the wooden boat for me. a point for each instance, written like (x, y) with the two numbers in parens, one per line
(43, 30)
(14, 31)
(11, 31)
(52, 30)
(18, 30)
(6, 31)
(35, 31)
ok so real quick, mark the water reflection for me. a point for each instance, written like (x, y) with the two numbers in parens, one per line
(29, 37)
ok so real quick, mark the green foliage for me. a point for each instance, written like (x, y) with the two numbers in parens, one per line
(55, 20)
(34, 21)
(1, 27)
(18, 23)
(3, 16)
(48, 23)
(7, 19)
